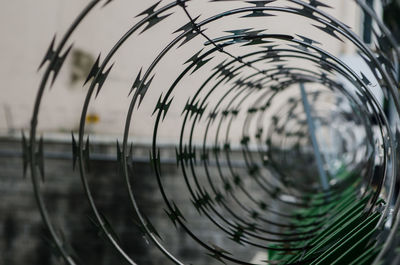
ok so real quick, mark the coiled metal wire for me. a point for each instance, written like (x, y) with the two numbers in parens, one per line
(221, 80)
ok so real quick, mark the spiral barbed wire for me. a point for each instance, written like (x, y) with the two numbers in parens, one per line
(236, 107)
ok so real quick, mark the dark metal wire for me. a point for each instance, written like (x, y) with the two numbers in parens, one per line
(243, 221)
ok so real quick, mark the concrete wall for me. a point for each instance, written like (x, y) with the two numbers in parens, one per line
(24, 238)
(28, 27)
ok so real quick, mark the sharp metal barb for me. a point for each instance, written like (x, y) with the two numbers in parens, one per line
(100, 78)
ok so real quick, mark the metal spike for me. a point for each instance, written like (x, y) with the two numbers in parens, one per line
(259, 13)
(101, 77)
(299, 47)
(175, 214)
(205, 156)
(252, 37)
(384, 43)
(382, 58)
(237, 180)
(107, 225)
(119, 153)
(201, 200)
(220, 249)
(213, 115)
(240, 83)
(365, 79)
(245, 140)
(325, 65)
(186, 156)
(189, 36)
(129, 158)
(86, 155)
(252, 227)
(141, 89)
(75, 152)
(237, 32)
(219, 197)
(261, 3)
(110, 228)
(25, 154)
(153, 21)
(227, 186)
(151, 227)
(256, 41)
(305, 11)
(254, 215)
(49, 54)
(59, 63)
(137, 82)
(194, 58)
(182, 2)
(200, 64)
(188, 26)
(52, 246)
(155, 160)
(228, 73)
(238, 235)
(201, 110)
(40, 158)
(198, 61)
(120, 161)
(197, 202)
(277, 59)
(206, 198)
(330, 30)
(161, 106)
(194, 108)
(95, 69)
(178, 158)
(371, 64)
(262, 205)
(269, 54)
(149, 11)
(253, 170)
(308, 40)
(217, 256)
(221, 66)
(227, 146)
(141, 227)
(316, 3)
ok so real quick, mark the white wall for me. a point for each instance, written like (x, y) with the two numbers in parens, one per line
(27, 27)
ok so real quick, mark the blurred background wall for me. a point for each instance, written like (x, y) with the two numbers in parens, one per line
(27, 28)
